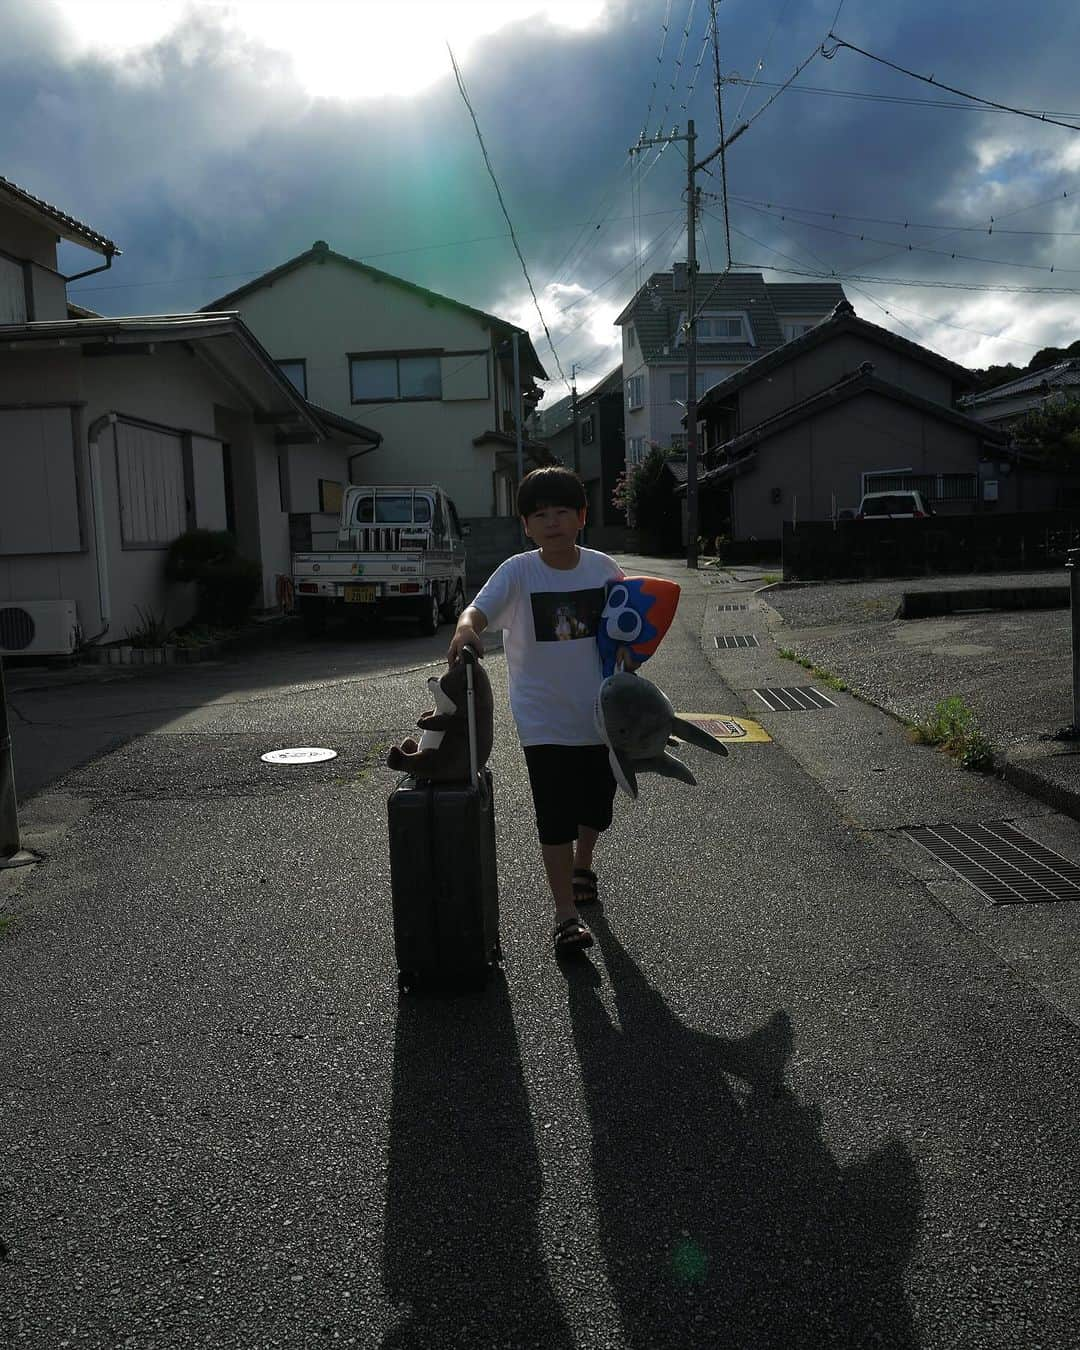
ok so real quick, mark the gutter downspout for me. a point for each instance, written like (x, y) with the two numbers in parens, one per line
(356, 455)
(92, 271)
(97, 499)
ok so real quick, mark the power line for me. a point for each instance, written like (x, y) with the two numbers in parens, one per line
(992, 228)
(656, 73)
(759, 65)
(906, 281)
(950, 89)
(908, 101)
(506, 214)
(362, 256)
(924, 248)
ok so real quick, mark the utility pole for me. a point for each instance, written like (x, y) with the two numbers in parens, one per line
(12, 854)
(573, 411)
(691, 332)
(517, 426)
(691, 355)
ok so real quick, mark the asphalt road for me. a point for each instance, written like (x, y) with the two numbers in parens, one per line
(808, 1090)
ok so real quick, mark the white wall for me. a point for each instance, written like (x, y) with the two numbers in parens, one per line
(169, 388)
(323, 311)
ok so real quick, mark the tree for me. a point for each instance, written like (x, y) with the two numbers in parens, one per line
(1053, 433)
(636, 490)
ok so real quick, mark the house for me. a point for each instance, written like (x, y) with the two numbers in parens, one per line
(118, 434)
(741, 318)
(846, 408)
(1009, 403)
(434, 376)
(597, 454)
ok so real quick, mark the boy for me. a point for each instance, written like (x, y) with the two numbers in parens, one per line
(548, 602)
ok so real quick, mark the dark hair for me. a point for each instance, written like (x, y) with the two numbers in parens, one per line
(551, 485)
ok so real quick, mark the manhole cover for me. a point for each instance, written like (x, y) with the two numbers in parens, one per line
(1001, 862)
(732, 608)
(726, 727)
(300, 754)
(733, 640)
(794, 698)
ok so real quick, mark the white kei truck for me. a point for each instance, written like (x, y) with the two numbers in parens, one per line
(400, 551)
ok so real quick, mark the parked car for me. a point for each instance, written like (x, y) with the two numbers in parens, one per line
(893, 506)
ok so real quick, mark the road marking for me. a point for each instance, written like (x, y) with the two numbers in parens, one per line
(727, 727)
(301, 754)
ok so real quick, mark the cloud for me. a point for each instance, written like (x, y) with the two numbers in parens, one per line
(205, 154)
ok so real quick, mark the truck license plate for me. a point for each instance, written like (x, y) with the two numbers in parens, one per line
(360, 595)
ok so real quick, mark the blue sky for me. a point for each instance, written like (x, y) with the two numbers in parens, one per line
(214, 140)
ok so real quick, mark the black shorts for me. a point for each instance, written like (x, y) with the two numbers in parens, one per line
(571, 785)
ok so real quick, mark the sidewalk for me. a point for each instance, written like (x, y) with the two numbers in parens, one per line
(1014, 668)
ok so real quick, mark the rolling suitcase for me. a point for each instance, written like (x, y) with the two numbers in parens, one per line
(443, 875)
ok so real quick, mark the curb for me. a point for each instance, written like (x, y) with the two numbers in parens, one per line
(1032, 784)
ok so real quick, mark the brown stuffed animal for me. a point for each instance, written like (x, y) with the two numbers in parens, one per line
(442, 753)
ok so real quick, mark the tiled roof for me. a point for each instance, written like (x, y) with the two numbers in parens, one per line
(320, 251)
(1063, 374)
(657, 307)
(554, 419)
(843, 319)
(804, 297)
(66, 226)
(676, 466)
(861, 381)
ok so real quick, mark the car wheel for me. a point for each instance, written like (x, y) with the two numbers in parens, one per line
(455, 606)
(430, 615)
(313, 616)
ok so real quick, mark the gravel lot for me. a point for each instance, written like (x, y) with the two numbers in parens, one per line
(1013, 667)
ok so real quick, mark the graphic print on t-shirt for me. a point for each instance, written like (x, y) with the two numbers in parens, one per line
(562, 616)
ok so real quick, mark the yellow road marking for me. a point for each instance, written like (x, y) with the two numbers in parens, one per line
(727, 727)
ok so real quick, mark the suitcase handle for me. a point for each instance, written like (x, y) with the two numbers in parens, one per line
(469, 656)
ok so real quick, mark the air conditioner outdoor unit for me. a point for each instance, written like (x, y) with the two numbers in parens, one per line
(38, 627)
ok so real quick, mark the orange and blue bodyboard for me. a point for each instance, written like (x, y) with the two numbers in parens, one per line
(637, 614)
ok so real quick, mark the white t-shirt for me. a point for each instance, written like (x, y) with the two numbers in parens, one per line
(550, 619)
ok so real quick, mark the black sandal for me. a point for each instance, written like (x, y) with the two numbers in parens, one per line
(584, 883)
(572, 935)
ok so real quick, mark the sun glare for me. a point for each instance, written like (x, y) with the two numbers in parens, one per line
(339, 48)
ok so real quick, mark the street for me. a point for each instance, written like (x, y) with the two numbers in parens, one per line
(808, 1089)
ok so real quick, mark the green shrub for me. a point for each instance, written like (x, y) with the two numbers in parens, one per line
(227, 583)
(953, 726)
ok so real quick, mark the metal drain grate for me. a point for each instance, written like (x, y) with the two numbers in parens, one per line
(794, 698)
(731, 640)
(1002, 862)
(732, 608)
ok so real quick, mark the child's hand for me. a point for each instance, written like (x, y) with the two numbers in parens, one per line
(464, 636)
(624, 659)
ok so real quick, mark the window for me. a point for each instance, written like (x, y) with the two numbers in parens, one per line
(39, 504)
(677, 384)
(678, 441)
(392, 508)
(588, 430)
(150, 478)
(715, 328)
(635, 392)
(395, 379)
(796, 328)
(295, 371)
(719, 328)
(635, 449)
(631, 336)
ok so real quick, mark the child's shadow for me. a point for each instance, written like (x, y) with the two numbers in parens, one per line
(724, 1218)
(462, 1250)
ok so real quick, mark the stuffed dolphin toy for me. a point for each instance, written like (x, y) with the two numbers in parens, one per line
(636, 722)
